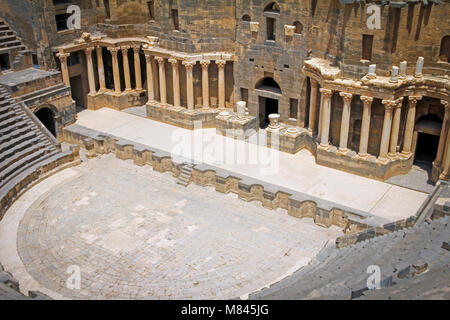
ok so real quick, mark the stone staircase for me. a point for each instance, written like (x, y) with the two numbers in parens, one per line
(185, 176)
(12, 44)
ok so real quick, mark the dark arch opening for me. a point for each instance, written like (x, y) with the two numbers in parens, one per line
(246, 18)
(272, 7)
(428, 129)
(444, 54)
(45, 115)
(298, 27)
(268, 84)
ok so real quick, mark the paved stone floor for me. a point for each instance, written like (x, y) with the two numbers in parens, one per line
(135, 233)
(297, 172)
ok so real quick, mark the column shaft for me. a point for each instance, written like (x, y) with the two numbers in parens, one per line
(100, 69)
(221, 67)
(365, 126)
(176, 82)
(446, 163)
(313, 106)
(116, 72)
(162, 80)
(189, 83)
(345, 122)
(64, 68)
(326, 113)
(389, 105)
(90, 69)
(443, 135)
(205, 82)
(137, 68)
(410, 121)
(150, 90)
(126, 68)
(395, 129)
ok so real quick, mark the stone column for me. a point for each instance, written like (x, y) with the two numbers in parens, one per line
(365, 126)
(115, 63)
(189, 83)
(137, 68)
(446, 163)
(313, 106)
(176, 82)
(389, 105)
(90, 69)
(162, 79)
(150, 92)
(345, 122)
(395, 128)
(442, 138)
(205, 82)
(126, 67)
(410, 121)
(100, 69)
(326, 113)
(64, 68)
(221, 66)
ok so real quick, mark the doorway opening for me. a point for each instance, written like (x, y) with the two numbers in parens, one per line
(267, 106)
(45, 115)
(428, 130)
(76, 86)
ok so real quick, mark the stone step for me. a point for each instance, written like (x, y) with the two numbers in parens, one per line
(26, 162)
(16, 141)
(14, 134)
(6, 123)
(14, 126)
(7, 38)
(10, 44)
(18, 151)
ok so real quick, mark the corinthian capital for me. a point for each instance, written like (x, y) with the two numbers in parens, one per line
(346, 96)
(189, 65)
(326, 92)
(221, 63)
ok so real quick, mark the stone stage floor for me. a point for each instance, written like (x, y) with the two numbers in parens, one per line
(136, 234)
(298, 172)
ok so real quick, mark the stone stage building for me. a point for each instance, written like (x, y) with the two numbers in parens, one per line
(373, 102)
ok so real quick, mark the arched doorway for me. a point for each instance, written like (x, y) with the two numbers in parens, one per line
(428, 130)
(45, 115)
(269, 92)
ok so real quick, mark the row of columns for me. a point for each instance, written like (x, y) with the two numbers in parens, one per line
(390, 130)
(101, 70)
(189, 65)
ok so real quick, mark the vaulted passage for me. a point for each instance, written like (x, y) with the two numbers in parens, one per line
(267, 106)
(45, 115)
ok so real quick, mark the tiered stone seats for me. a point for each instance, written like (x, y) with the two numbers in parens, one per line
(22, 144)
(28, 152)
(414, 263)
